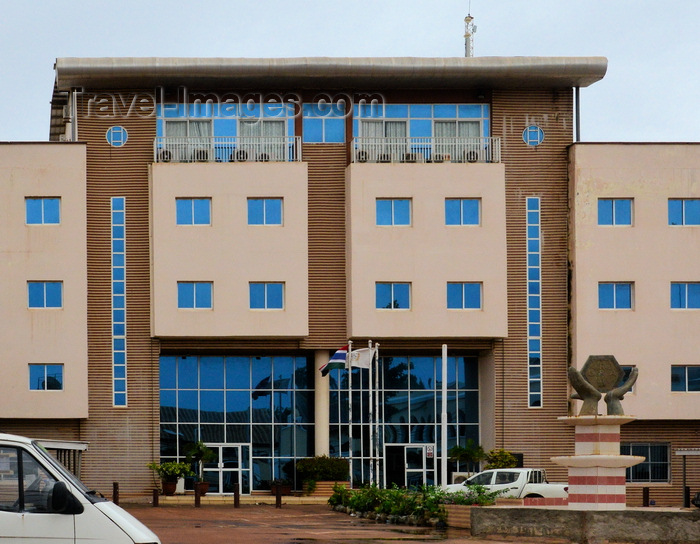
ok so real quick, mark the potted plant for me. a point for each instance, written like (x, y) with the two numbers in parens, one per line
(169, 473)
(284, 485)
(199, 453)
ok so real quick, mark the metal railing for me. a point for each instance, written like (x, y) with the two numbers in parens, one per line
(227, 149)
(436, 150)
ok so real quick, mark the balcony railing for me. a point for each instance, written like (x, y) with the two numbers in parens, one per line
(227, 149)
(435, 150)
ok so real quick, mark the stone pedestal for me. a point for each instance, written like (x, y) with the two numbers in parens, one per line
(597, 470)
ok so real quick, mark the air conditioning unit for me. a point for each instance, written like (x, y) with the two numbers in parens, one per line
(459, 477)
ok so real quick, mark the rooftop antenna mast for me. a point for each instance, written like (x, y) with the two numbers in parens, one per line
(469, 30)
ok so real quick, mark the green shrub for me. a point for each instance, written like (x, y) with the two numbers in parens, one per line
(472, 494)
(500, 459)
(323, 468)
(340, 496)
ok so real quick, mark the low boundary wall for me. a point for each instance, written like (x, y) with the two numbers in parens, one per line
(643, 526)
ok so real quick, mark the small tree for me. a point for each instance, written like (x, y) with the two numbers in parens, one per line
(323, 468)
(198, 453)
(470, 454)
(500, 459)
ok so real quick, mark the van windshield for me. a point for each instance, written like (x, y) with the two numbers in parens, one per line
(58, 467)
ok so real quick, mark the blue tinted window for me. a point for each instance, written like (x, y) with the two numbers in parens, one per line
(45, 294)
(392, 295)
(464, 296)
(45, 377)
(462, 211)
(397, 111)
(193, 211)
(393, 211)
(194, 295)
(266, 296)
(615, 296)
(533, 135)
(685, 295)
(615, 211)
(42, 211)
(116, 136)
(264, 211)
(684, 211)
(313, 130)
(335, 130)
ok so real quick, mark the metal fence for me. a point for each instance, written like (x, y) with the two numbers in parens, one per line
(436, 150)
(227, 149)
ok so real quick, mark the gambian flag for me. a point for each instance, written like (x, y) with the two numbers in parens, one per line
(337, 361)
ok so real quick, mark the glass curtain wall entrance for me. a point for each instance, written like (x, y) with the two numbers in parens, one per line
(407, 437)
(256, 412)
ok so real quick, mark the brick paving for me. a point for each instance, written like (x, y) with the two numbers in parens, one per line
(291, 524)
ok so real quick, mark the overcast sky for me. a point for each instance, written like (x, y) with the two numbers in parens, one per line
(651, 91)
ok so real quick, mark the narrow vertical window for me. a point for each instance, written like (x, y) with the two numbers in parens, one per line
(119, 397)
(534, 302)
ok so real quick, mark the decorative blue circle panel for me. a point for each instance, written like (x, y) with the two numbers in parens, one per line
(117, 136)
(533, 135)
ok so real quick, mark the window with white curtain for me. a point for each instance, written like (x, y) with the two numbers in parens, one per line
(263, 139)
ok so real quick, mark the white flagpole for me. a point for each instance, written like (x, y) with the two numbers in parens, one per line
(443, 418)
(371, 416)
(375, 430)
(348, 366)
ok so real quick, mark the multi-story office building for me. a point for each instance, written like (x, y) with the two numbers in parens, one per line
(225, 225)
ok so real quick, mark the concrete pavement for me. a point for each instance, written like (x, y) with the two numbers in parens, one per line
(291, 524)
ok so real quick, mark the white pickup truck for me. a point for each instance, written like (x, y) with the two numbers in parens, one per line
(518, 483)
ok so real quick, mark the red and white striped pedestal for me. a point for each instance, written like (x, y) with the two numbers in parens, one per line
(597, 470)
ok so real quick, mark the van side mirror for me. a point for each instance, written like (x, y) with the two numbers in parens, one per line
(63, 501)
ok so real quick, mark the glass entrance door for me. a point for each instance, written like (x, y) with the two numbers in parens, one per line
(408, 465)
(231, 466)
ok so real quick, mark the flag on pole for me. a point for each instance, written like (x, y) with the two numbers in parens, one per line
(361, 358)
(338, 360)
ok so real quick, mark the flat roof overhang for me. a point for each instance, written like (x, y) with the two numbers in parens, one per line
(347, 73)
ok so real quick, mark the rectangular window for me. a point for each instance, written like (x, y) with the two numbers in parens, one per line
(685, 378)
(45, 294)
(266, 296)
(264, 211)
(119, 355)
(45, 377)
(615, 296)
(393, 211)
(43, 211)
(462, 211)
(194, 295)
(193, 211)
(464, 296)
(393, 296)
(685, 295)
(656, 467)
(684, 211)
(615, 211)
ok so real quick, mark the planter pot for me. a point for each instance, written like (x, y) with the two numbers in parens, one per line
(169, 487)
(203, 487)
(285, 489)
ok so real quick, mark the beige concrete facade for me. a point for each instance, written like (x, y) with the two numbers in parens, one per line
(229, 252)
(651, 254)
(428, 253)
(43, 252)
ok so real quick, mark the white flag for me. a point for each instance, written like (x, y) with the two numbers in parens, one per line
(361, 358)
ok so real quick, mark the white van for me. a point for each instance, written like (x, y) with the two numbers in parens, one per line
(40, 501)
